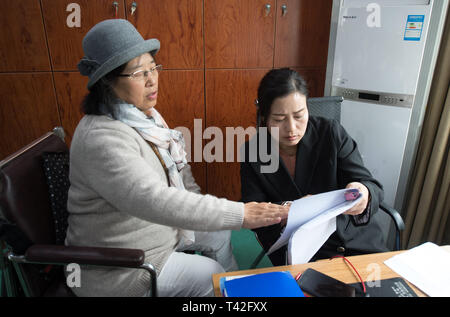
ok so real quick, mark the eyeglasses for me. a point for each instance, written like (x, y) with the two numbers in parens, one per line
(143, 74)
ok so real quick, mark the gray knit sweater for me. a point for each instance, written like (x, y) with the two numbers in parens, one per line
(119, 197)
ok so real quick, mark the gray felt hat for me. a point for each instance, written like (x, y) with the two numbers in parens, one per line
(108, 45)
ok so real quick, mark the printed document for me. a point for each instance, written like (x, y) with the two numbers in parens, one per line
(311, 221)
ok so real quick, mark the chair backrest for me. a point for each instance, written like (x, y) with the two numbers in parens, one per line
(24, 192)
(327, 107)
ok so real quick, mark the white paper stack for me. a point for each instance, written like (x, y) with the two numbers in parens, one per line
(310, 223)
(426, 266)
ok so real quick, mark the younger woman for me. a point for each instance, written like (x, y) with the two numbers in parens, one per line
(316, 155)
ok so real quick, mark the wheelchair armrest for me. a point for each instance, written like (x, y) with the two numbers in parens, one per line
(395, 215)
(59, 254)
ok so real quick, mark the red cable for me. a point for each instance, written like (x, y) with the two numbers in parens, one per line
(296, 278)
(354, 269)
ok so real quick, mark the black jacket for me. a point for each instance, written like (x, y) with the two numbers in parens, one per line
(327, 159)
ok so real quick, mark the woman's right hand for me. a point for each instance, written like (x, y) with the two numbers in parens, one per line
(263, 214)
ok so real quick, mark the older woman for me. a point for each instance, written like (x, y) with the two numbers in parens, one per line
(316, 155)
(131, 186)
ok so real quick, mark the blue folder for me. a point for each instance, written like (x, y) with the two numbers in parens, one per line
(273, 284)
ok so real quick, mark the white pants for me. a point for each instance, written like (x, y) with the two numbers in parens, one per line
(190, 275)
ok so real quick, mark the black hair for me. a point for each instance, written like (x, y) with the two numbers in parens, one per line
(102, 92)
(275, 84)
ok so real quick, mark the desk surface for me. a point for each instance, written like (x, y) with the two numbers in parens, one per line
(367, 265)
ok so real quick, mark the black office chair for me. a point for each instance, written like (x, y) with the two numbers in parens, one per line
(327, 107)
(330, 108)
(33, 221)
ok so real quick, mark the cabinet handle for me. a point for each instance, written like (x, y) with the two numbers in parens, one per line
(133, 8)
(283, 10)
(268, 9)
(116, 9)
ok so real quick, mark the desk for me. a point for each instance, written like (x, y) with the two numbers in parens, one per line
(366, 265)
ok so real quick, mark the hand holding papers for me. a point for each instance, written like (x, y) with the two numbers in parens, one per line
(311, 221)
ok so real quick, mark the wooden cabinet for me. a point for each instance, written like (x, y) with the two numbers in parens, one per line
(267, 33)
(181, 39)
(302, 35)
(315, 79)
(64, 41)
(70, 90)
(214, 54)
(28, 109)
(243, 40)
(65, 47)
(178, 26)
(239, 33)
(22, 37)
(230, 96)
(180, 101)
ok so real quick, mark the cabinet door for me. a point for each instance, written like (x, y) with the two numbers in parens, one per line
(22, 37)
(230, 96)
(70, 92)
(178, 24)
(302, 35)
(64, 41)
(28, 109)
(315, 78)
(180, 101)
(239, 33)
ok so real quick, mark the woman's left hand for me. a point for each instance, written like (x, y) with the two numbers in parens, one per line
(362, 205)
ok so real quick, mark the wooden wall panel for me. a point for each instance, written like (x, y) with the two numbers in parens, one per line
(238, 34)
(180, 101)
(70, 92)
(22, 37)
(64, 41)
(178, 24)
(230, 96)
(302, 34)
(27, 110)
(214, 53)
(315, 79)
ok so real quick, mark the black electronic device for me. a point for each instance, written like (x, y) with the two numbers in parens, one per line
(318, 284)
(392, 287)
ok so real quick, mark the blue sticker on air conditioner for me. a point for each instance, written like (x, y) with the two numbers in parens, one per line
(414, 27)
